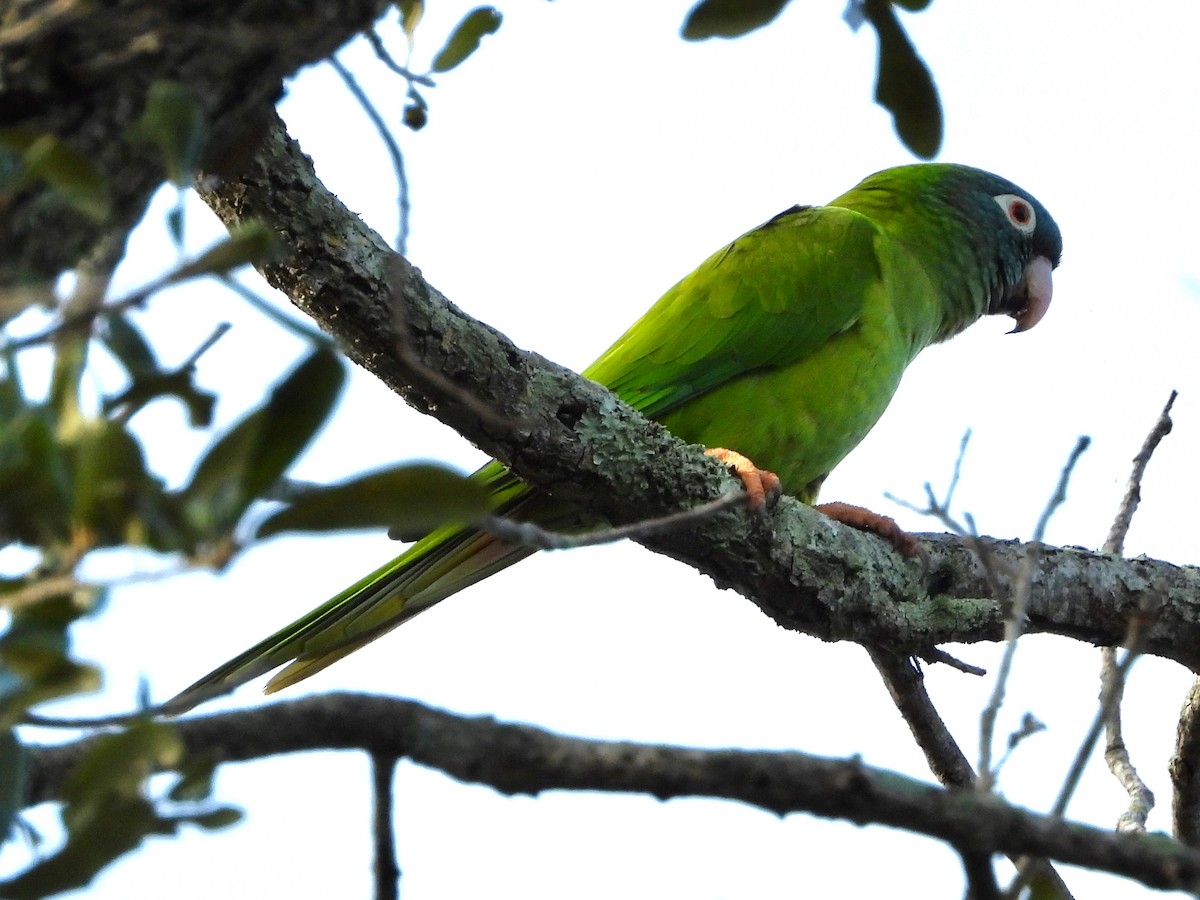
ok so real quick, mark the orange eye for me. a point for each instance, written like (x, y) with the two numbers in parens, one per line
(1019, 211)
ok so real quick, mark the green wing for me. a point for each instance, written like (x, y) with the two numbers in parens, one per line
(764, 301)
(760, 304)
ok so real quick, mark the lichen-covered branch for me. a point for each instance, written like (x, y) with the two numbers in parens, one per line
(572, 437)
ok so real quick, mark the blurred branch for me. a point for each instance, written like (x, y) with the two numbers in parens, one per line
(521, 759)
(980, 876)
(403, 204)
(383, 783)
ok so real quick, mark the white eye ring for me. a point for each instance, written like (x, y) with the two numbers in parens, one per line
(1019, 211)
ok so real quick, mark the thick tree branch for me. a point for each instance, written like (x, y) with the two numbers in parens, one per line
(570, 436)
(521, 759)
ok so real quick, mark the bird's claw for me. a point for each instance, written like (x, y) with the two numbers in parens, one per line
(763, 488)
(877, 523)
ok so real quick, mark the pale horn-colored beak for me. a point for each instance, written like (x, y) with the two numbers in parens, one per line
(1039, 287)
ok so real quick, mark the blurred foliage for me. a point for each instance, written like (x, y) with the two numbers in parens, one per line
(465, 38)
(28, 157)
(409, 500)
(174, 122)
(108, 809)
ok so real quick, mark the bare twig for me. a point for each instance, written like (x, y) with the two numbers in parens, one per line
(387, 872)
(1116, 754)
(527, 534)
(1030, 725)
(37, 21)
(289, 323)
(906, 686)
(940, 510)
(957, 473)
(1114, 544)
(1110, 696)
(1015, 622)
(83, 319)
(938, 655)
(403, 204)
(388, 60)
(1059, 496)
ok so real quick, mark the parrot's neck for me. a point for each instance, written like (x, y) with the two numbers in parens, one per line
(960, 274)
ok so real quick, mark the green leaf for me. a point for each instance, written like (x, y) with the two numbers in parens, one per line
(89, 849)
(256, 452)
(903, 85)
(195, 780)
(179, 384)
(106, 814)
(61, 167)
(249, 242)
(38, 668)
(114, 492)
(412, 499)
(174, 121)
(218, 818)
(148, 381)
(119, 763)
(35, 478)
(465, 38)
(411, 12)
(729, 18)
(129, 347)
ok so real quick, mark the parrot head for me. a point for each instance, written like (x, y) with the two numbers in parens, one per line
(1030, 248)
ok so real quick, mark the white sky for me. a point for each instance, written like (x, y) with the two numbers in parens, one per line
(582, 162)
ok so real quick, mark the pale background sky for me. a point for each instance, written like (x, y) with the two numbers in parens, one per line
(582, 162)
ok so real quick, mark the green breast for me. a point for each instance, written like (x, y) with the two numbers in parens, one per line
(800, 420)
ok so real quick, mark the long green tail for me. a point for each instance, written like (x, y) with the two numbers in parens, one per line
(440, 564)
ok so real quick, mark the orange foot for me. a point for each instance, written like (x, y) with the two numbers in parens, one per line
(762, 486)
(865, 520)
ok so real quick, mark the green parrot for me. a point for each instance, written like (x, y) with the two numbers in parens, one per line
(785, 345)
